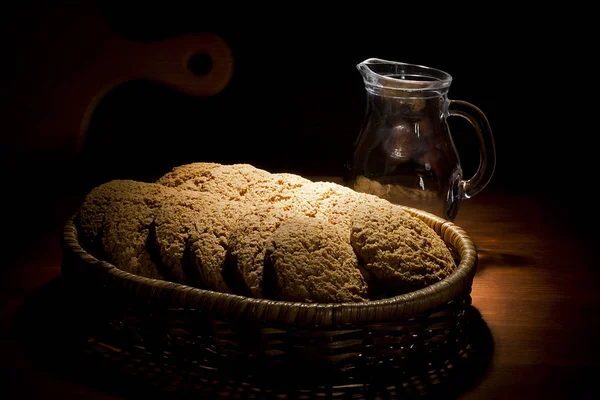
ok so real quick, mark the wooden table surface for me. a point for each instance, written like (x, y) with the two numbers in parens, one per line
(536, 288)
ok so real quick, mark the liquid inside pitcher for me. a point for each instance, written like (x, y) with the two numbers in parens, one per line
(404, 152)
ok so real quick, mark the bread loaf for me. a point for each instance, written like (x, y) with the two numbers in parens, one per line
(240, 229)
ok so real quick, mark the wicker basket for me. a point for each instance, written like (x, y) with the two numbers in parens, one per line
(179, 335)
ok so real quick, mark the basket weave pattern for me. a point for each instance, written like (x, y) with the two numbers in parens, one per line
(177, 334)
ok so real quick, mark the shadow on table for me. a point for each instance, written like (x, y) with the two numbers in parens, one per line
(56, 332)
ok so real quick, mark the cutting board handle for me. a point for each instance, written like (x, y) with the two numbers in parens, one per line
(169, 62)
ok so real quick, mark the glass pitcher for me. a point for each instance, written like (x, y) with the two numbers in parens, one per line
(404, 152)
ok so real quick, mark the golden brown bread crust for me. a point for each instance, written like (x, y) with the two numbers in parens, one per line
(126, 238)
(188, 176)
(116, 220)
(191, 231)
(219, 226)
(321, 200)
(400, 251)
(310, 261)
(248, 242)
(209, 243)
(240, 187)
(329, 202)
(92, 211)
(237, 182)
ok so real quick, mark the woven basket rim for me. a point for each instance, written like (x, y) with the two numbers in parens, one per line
(312, 314)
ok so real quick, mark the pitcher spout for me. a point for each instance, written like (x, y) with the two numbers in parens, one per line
(378, 73)
(370, 65)
(364, 68)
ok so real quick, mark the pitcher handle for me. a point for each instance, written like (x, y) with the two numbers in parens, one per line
(487, 148)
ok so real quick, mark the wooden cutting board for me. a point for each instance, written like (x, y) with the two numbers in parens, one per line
(68, 59)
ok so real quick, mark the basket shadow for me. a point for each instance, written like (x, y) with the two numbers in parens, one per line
(503, 259)
(54, 330)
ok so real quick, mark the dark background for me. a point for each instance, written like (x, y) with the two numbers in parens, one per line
(296, 101)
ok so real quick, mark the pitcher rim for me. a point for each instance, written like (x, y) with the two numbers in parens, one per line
(436, 78)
